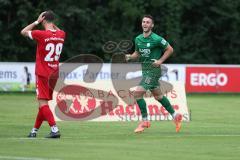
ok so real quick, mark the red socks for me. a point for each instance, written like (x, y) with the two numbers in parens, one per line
(44, 113)
(39, 119)
(47, 113)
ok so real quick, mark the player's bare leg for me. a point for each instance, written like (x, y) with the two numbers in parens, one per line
(138, 93)
(177, 117)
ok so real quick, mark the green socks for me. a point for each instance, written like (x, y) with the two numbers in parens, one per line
(166, 104)
(164, 101)
(143, 107)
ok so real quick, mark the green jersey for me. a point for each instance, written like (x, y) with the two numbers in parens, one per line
(149, 48)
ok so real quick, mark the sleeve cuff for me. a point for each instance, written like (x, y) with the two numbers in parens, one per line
(30, 34)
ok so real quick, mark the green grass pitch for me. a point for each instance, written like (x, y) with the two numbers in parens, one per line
(213, 134)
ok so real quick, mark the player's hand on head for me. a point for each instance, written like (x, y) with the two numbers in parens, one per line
(41, 17)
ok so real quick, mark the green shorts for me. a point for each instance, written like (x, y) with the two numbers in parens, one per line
(150, 82)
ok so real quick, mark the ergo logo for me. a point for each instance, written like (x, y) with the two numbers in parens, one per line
(211, 79)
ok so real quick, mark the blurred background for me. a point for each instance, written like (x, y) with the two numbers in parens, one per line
(205, 36)
(201, 32)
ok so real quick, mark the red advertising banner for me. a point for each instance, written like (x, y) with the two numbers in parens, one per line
(212, 79)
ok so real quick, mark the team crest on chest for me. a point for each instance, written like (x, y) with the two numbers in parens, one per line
(148, 44)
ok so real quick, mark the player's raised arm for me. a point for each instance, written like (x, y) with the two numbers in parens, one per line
(25, 31)
(133, 56)
(167, 53)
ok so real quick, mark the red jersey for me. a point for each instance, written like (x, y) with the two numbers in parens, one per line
(49, 48)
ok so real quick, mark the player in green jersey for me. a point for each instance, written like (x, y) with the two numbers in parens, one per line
(152, 50)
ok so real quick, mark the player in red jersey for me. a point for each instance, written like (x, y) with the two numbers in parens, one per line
(49, 47)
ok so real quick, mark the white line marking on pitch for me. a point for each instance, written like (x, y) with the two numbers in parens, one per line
(181, 135)
(207, 135)
(25, 158)
(34, 139)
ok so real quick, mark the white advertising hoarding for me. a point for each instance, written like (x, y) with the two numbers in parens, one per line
(101, 101)
(13, 76)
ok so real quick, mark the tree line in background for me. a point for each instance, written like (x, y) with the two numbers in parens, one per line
(201, 31)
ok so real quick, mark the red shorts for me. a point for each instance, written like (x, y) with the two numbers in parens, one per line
(44, 88)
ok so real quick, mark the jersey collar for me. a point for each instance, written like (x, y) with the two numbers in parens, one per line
(52, 30)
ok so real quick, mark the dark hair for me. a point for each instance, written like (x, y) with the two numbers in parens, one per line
(49, 16)
(148, 16)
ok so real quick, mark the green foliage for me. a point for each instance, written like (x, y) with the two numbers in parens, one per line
(202, 31)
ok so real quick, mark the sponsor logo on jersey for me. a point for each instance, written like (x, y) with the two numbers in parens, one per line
(145, 52)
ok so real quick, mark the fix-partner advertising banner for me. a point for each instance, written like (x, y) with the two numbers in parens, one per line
(197, 78)
(20, 76)
(213, 79)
